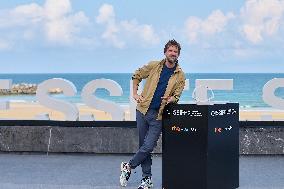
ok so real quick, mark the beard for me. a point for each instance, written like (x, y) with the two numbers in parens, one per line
(172, 59)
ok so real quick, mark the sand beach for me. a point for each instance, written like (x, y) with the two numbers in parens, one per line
(29, 110)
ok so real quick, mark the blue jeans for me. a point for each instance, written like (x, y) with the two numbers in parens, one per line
(149, 130)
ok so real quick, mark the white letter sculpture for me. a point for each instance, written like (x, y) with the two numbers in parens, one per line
(70, 110)
(203, 85)
(117, 112)
(5, 84)
(268, 93)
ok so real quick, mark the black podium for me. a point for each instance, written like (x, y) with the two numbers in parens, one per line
(201, 146)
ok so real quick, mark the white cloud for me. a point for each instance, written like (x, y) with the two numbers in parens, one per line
(257, 27)
(213, 24)
(27, 13)
(261, 18)
(55, 9)
(60, 24)
(4, 45)
(56, 23)
(107, 16)
(216, 22)
(145, 32)
(192, 28)
(54, 20)
(252, 33)
(110, 35)
(22, 15)
(64, 29)
(117, 32)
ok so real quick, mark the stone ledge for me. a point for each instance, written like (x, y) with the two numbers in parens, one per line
(262, 140)
(254, 140)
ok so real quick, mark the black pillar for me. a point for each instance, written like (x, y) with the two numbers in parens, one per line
(201, 146)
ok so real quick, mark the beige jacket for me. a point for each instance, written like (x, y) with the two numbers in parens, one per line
(151, 72)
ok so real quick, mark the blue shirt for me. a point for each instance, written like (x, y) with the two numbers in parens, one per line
(162, 86)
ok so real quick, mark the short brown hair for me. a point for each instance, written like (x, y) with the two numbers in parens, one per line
(172, 43)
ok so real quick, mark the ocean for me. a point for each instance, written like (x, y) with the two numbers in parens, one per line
(247, 86)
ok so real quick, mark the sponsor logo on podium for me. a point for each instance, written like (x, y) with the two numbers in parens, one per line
(230, 111)
(192, 113)
(220, 129)
(178, 129)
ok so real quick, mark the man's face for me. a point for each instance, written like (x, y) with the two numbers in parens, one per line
(172, 54)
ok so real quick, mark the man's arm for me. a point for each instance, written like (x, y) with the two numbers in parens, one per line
(139, 74)
(136, 97)
(178, 90)
(142, 73)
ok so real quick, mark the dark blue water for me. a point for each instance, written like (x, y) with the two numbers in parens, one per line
(247, 87)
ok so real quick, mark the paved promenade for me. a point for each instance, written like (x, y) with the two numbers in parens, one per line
(90, 171)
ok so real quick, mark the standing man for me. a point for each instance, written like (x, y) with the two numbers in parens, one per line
(165, 81)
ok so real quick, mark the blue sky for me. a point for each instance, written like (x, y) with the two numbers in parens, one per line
(73, 36)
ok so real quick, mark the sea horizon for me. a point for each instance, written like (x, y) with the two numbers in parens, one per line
(134, 70)
(247, 87)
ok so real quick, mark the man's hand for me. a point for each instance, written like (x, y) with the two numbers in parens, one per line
(138, 98)
(169, 99)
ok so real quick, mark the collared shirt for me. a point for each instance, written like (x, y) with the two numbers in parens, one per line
(151, 72)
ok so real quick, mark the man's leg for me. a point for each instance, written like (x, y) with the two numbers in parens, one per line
(143, 129)
(142, 126)
(143, 155)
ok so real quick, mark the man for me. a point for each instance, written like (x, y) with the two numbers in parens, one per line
(164, 84)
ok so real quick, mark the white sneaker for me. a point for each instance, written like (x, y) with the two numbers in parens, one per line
(146, 183)
(125, 173)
